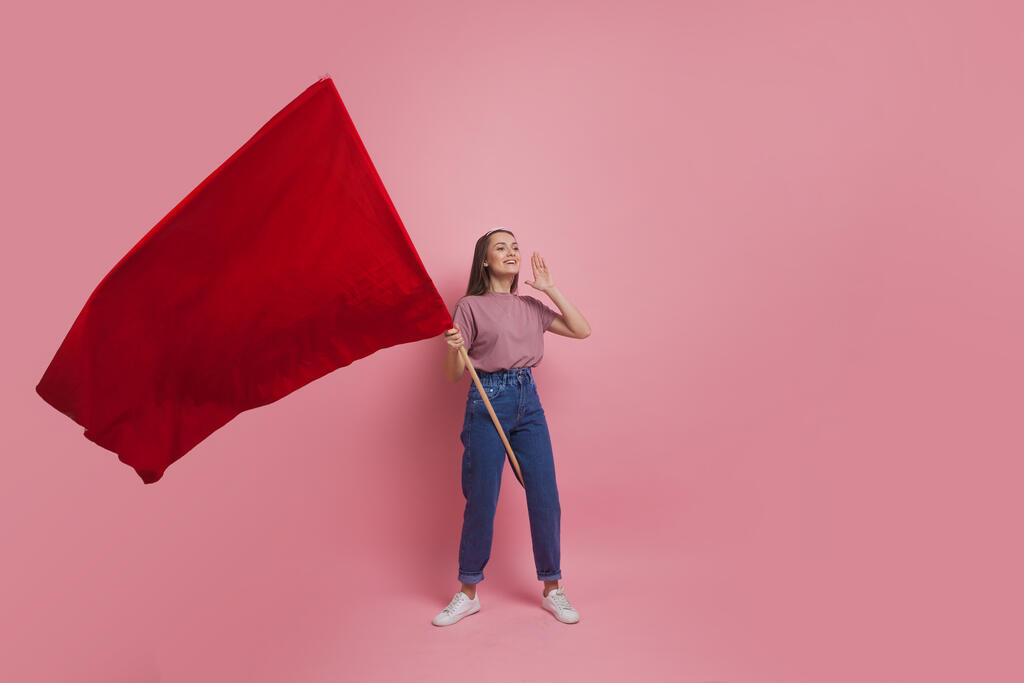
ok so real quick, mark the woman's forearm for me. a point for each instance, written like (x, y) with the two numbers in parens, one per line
(574, 320)
(454, 366)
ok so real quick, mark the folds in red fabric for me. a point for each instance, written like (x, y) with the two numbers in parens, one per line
(288, 262)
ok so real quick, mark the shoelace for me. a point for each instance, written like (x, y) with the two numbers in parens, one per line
(558, 597)
(456, 601)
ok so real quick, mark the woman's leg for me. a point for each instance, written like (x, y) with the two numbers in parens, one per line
(531, 442)
(482, 462)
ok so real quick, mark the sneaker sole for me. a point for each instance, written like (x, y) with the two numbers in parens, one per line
(474, 610)
(555, 613)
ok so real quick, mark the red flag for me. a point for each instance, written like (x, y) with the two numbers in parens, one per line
(289, 261)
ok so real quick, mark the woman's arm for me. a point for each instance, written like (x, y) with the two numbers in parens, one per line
(454, 366)
(571, 323)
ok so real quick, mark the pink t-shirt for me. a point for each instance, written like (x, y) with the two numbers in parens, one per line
(502, 331)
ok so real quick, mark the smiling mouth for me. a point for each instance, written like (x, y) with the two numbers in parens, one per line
(510, 263)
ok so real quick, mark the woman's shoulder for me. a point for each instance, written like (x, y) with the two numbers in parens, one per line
(468, 303)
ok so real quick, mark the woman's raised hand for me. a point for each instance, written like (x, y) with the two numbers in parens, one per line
(454, 338)
(541, 275)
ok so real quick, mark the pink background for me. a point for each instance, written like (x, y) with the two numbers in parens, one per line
(789, 452)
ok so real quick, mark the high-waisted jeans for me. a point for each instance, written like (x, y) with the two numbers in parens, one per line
(513, 395)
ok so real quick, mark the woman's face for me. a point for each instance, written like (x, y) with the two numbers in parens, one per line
(503, 255)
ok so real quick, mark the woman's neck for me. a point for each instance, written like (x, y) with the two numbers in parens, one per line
(500, 286)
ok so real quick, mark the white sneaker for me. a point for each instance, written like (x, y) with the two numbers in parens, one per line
(556, 603)
(460, 606)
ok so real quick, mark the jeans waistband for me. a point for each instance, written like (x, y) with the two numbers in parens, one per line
(502, 377)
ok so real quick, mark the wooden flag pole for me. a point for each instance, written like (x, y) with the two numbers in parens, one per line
(494, 418)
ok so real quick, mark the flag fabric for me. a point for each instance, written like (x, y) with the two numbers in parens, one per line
(287, 262)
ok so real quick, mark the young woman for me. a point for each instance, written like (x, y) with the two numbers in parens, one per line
(503, 335)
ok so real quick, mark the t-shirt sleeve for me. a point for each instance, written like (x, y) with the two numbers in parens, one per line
(463, 317)
(544, 312)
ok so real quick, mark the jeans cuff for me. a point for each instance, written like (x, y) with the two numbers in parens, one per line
(549, 576)
(475, 577)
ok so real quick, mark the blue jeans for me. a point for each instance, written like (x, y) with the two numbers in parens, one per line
(513, 395)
